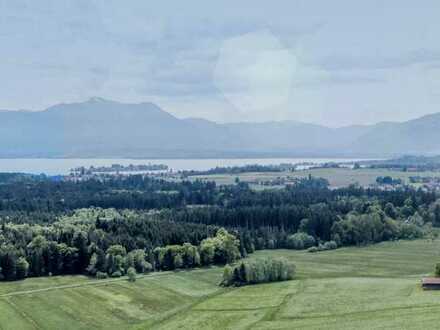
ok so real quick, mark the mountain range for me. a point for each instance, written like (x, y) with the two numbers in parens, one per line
(101, 128)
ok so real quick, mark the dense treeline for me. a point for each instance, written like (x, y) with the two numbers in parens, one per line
(90, 241)
(17, 177)
(345, 220)
(131, 192)
(232, 196)
(144, 223)
(254, 168)
(143, 193)
(415, 163)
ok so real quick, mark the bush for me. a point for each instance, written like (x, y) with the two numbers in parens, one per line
(146, 267)
(330, 245)
(22, 268)
(410, 231)
(258, 271)
(221, 249)
(300, 241)
(437, 270)
(101, 275)
(137, 260)
(178, 261)
(131, 273)
(228, 276)
(116, 274)
(312, 249)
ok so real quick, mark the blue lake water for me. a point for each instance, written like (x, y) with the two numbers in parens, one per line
(63, 166)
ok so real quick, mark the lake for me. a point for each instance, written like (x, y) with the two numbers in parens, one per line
(63, 166)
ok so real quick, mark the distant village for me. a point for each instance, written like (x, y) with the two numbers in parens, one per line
(426, 182)
(102, 173)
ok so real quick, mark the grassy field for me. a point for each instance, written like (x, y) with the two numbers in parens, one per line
(338, 177)
(375, 287)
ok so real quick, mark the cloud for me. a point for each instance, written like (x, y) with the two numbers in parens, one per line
(325, 78)
(345, 62)
(254, 71)
(200, 57)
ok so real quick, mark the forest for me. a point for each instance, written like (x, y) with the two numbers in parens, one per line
(105, 227)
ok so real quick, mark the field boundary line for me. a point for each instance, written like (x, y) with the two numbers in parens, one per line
(233, 309)
(270, 315)
(174, 313)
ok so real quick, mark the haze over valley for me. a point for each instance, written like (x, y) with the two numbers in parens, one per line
(102, 128)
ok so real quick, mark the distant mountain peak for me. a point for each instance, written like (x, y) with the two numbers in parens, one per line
(97, 99)
(99, 127)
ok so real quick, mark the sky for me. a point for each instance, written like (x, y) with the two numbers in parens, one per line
(335, 63)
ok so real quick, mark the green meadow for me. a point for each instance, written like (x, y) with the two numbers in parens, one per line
(374, 287)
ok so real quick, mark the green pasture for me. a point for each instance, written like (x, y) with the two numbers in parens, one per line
(374, 287)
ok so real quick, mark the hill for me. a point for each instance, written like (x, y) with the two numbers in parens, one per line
(418, 136)
(101, 128)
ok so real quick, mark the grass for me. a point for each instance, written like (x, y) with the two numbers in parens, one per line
(374, 287)
(113, 305)
(337, 177)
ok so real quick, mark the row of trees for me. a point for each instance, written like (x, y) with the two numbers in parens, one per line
(220, 249)
(117, 262)
(258, 271)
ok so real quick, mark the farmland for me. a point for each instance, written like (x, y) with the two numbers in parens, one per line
(337, 177)
(366, 288)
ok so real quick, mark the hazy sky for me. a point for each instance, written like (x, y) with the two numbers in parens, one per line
(329, 62)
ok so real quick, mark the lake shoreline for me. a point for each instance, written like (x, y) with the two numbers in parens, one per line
(62, 166)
